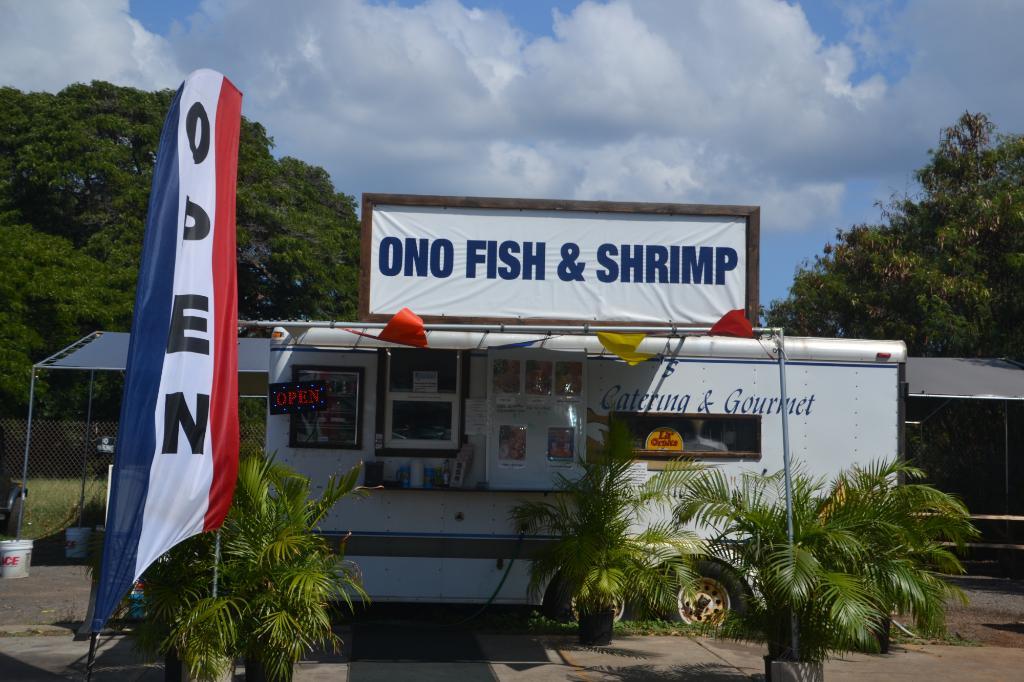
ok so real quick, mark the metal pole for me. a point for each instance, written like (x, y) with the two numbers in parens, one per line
(91, 661)
(28, 441)
(1006, 469)
(794, 626)
(85, 449)
(513, 328)
(216, 561)
(1006, 458)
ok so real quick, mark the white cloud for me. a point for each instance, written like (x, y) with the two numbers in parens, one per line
(47, 45)
(703, 101)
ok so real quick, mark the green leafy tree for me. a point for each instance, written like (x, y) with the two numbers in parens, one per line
(943, 271)
(50, 292)
(75, 175)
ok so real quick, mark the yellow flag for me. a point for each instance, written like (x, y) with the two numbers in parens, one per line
(624, 345)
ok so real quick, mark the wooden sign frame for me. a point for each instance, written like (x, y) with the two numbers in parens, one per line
(750, 214)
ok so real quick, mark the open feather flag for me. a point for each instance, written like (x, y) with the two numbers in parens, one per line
(177, 442)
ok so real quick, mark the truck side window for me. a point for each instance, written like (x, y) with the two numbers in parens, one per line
(339, 424)
(422, 402)
(659, 436)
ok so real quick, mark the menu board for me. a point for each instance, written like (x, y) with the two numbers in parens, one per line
(535, 416)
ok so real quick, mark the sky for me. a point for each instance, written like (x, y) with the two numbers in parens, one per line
(814, 111)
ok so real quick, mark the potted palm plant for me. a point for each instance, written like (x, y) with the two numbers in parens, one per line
(278, 579)
(863, 546)
(909, 527)
(832, 607)
(607, 551)
(174, 585)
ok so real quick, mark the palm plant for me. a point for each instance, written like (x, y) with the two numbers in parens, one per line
(833, 606)
(174, 585)
(906, 525)
(610, 548)
(278, 578)
(863, 545)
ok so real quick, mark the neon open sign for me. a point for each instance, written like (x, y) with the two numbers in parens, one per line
(302, 396)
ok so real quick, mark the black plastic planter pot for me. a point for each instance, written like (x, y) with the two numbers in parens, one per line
(793, 671)
(596, 628)
(882, 635)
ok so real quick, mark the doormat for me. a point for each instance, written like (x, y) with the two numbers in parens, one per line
(393, 671)
(401, 642)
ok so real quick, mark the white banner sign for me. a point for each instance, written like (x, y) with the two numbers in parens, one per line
(555, 264)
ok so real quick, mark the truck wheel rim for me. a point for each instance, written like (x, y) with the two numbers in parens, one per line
(708, 604)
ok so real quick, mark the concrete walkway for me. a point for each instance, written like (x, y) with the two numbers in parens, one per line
(522, 658)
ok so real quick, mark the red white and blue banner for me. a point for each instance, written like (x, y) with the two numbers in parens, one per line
(177, 446)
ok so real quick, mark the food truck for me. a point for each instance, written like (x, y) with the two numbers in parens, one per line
(515, 384)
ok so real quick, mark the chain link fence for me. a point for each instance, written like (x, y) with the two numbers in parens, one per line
(67, 470)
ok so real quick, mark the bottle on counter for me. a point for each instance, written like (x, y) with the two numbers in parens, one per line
(446, 474)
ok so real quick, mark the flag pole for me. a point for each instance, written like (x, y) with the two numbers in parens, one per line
(781, 336)
(216, 561)
(92, 656)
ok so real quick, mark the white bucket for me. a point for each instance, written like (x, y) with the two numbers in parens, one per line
(76, 542)
(15, 557)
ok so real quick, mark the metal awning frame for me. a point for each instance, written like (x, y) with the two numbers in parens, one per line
(50, 363)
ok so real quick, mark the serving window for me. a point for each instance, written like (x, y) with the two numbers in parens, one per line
(659, 436)
(422, 403)
(338, 425)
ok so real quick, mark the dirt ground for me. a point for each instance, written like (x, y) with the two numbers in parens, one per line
(57, 592)
(994, 614)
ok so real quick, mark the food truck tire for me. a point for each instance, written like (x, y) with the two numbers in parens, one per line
(720, 589)
(12, 517)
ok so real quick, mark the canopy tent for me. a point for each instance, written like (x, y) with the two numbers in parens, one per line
(108, 352)
(949, 379)
(969, 378)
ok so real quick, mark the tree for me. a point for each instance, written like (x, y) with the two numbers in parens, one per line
(943, 272)
(75, 175)
(50, 291)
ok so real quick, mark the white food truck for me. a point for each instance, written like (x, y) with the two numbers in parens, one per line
(499, 403)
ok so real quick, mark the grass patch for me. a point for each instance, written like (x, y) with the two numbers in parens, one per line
(52, 505)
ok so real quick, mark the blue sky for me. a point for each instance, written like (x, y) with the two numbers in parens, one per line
(814, 111)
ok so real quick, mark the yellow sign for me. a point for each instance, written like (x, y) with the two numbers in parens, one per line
(664, 439)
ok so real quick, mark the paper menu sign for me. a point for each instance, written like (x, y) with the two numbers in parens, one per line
(638, 473)
(476, 417)
(424, 381)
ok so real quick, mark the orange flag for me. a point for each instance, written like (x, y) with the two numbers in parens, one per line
(406, 328)
(733, 323)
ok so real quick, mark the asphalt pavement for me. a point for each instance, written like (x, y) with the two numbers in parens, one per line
(33, 648)
(524, 658)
